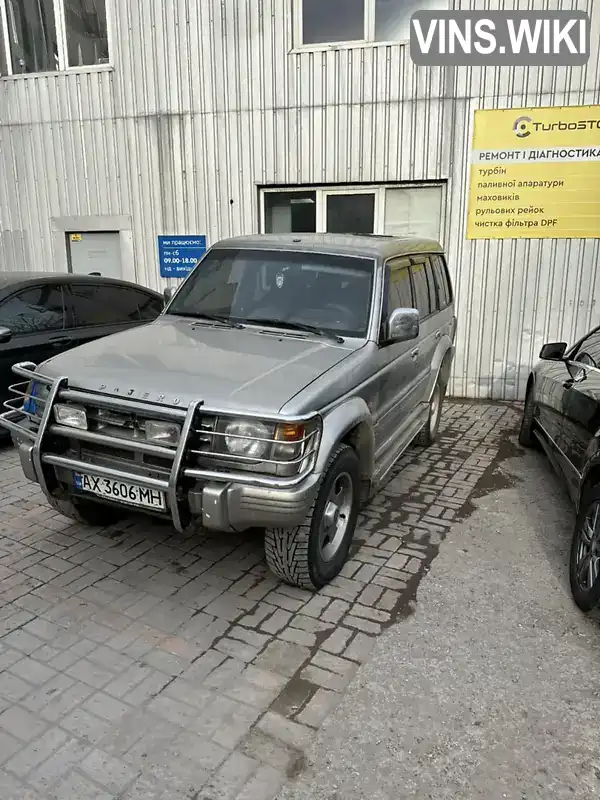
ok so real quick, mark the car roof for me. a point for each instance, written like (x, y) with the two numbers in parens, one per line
(370, 246)
(17, 279)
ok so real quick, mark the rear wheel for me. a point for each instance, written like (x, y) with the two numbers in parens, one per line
(526, 437)
(584, 564)
(429, 432)
(86, 511)
(313, 553)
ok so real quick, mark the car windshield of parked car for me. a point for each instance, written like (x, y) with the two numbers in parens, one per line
(327, 292)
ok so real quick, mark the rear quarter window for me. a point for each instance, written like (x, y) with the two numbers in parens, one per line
(442, 280)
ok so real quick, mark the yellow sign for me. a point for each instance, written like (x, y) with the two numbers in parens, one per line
(535, 174)
(76, 237)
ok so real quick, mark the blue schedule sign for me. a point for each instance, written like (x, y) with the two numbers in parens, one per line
(178, 255)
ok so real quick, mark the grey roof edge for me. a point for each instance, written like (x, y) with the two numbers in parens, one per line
(336, 244)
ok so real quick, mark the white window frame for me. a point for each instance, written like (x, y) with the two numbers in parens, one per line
(367, 41)
(61, 41)
(322, 191)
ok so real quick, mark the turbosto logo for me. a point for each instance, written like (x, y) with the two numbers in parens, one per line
(522, 127)
(525, 126)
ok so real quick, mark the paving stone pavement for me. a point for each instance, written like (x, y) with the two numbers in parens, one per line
(136, 662)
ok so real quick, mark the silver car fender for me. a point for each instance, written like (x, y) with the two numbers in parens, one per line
(351, 421)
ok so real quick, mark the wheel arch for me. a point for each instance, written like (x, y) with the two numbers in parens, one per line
(590, 478)
(350, 424)
(441, 366)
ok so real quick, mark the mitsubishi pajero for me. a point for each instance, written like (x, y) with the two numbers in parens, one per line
(277, 389)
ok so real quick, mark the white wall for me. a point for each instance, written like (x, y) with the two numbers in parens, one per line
(207, 101)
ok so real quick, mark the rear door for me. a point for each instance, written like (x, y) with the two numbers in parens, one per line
(100, 309)
(36, 317)
(427, 303)
(447, 322)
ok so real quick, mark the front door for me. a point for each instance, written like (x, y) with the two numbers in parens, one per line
(398, 365)
(549, 396)
(581, 403)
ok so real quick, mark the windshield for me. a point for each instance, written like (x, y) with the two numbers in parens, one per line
(331, 293)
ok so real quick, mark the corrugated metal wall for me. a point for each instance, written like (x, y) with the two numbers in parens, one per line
(208, 100)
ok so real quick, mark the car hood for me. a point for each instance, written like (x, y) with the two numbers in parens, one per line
(175, 362)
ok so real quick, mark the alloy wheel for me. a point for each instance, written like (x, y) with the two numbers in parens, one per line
(588, 549)
(336, 516)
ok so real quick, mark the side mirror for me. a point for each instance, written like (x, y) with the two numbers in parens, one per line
(553, 351)
(5, 335)
(402, 326)
(168, 294)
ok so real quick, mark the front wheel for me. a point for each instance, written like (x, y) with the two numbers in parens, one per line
(526, 437)
(313, 553)
(584, 563)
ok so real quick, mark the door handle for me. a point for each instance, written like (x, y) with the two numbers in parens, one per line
(60, 341)
(415, 354)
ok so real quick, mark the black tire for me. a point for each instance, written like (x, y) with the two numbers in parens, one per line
(526, 437)
(429, 431)
(87, 512)
(586, 592)
(298, 555)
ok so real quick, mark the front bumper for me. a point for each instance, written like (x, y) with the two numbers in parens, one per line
(218, 505)
(224, 501)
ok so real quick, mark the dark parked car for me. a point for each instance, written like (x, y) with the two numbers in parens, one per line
(43, 314)
(562, 412)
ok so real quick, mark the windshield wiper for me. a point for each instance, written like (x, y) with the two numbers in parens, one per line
(294, 326)
(228, 323)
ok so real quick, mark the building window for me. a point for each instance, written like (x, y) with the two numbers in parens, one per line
(86, 32)
(409, 210)
(337, 21)
(50, 35)
(290, 212)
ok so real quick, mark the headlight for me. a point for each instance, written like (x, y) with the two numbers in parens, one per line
(71, 416)
(243, 438)
(36, 390)
(165, 433)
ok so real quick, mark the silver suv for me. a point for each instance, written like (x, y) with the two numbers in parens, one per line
(277, 390)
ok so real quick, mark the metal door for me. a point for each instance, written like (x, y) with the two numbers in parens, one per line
(95, 253)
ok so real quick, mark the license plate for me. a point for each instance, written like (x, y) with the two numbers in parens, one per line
(120, 491)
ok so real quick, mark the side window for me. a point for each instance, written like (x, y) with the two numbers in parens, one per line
(589, 350)
(422, 290)
(425, 262)
(400, 293)
(149, 307)
(96, 304)
(442, 281)
(34, 310)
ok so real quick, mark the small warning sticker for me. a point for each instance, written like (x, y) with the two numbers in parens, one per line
(76, 237)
